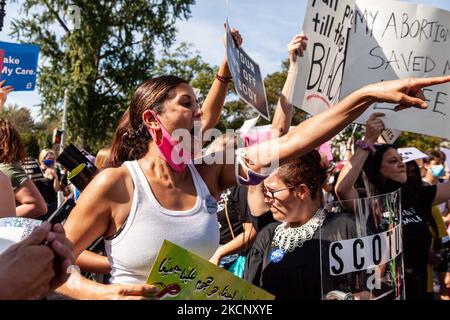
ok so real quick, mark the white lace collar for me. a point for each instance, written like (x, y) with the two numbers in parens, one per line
(287, 238)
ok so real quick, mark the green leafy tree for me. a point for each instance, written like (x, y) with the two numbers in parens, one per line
(101, 62)
(419, 141)
(33, 135)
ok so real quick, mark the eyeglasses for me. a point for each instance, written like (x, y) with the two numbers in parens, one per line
(266, 192)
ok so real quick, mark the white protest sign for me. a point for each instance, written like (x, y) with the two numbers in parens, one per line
(319, 73)
(391, 40)
(363, 253)
(390, 135)
(410, 154)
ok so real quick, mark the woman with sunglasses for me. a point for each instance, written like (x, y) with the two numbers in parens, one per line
(386, 172)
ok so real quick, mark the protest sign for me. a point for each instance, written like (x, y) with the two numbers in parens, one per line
(391, 40)
(410, 154)
(182, 275)
(364, 260)
(33, 170)
(247, 77)
(319, 73)
(390, 135)
(2, 56)
(19, 67)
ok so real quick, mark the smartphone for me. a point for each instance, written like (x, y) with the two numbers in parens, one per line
(62, 212)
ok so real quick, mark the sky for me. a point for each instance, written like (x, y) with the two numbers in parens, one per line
(267, 26)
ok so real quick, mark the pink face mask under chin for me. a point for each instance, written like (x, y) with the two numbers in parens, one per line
(170, 149)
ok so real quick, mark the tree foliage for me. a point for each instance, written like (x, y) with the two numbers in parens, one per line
(101, 62)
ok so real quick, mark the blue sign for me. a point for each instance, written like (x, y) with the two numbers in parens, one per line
(19, 67)
(247, 78)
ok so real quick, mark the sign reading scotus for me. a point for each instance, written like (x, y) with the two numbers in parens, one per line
(364, 261)
(387, 40)
(19, 67)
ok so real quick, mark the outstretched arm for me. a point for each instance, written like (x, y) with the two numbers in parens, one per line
(322, 127)
(315, 131)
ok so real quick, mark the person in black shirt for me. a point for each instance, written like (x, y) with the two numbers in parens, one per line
(386, 172)
(50, 184)
(285, 258)
(236, 230)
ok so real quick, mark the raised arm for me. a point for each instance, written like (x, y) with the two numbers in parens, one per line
(322, 127)
(213, 104)
(281, 119)
(283, 112)
(345, 189)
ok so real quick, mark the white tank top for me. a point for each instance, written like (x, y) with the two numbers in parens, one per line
(132, 252)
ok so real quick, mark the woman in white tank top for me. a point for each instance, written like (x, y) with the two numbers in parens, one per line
(143, 202)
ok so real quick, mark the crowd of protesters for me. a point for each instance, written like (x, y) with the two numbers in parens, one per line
(220, 211)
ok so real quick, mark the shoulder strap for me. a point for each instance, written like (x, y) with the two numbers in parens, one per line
(228, 218)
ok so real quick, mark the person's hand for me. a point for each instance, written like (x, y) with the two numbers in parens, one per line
(26, 268)
(62, 248)
(4, 91)
(236, 37)
(374, 127)
(50, 174)
(215, 258)
(406, 93)
(296, 47)
(132, 292)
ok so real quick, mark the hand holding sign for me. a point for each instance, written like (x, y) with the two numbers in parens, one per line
(237, 38)
(296, 47)
(4, 91)
(374, 127)
(405, 93)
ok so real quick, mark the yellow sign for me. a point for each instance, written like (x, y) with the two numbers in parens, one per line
(182, 275)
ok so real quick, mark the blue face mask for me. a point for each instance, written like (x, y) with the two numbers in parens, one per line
(438, 170)
(48, 162)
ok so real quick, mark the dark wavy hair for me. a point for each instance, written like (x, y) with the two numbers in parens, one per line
(372, 167)
(11, 147)
(131, 139)
(307, 170)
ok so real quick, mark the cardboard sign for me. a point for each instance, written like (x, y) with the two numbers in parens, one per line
(247, 78)
(319, 77)
(19, 67)
(390, 135)
(392, 40)
(410, 154)
(182, 275)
